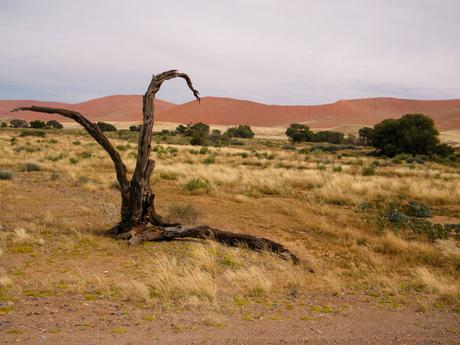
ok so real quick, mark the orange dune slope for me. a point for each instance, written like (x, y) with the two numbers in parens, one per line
(228, 111)
(110, 108)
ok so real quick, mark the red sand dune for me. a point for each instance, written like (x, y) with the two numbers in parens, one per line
(110, 108)
(228, 111)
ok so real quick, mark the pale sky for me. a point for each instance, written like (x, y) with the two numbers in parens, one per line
(270, 51)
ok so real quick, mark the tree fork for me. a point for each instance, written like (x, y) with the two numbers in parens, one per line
(139, 220)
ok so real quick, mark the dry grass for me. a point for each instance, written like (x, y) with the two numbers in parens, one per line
(53, 223)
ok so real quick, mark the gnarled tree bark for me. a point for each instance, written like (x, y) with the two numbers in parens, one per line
(139, 220)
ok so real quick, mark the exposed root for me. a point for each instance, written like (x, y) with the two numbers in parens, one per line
(143, 233)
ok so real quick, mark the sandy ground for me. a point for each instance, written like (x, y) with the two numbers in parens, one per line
(68, 320)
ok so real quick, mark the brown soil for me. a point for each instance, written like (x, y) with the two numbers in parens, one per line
(68, 320)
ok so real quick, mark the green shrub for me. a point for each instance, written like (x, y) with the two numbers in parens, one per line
(121, 147)
(204, 150)
(417, 209)
(304, 151)
(337, 168)
(5, 175)
(30, 166)
(211, 159)
(54, 124)
(54, 158)
(197, 185)
(76, 142)
(321, 167)
(37, 124)
(85, 155)
(106, 127)
(73, 160)
(288, 147)
(368, 171)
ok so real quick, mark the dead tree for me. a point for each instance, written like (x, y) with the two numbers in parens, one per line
(139, 220)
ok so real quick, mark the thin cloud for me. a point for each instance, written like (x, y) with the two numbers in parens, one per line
(291, 52)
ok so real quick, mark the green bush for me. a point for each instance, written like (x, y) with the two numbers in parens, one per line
(197, 185)
(85, 155)
(5, 175)
(54, 124)
(241, 131)
(73, 160)
(337, 168)
(76, 142)
(288, 147)
(37, 124)
(106, 127)
(30, 166)
(417, 209)
(54, 158)
(299, 133)
(211, 159)
(368, 171)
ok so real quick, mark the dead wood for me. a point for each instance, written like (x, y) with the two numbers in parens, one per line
(139, 220)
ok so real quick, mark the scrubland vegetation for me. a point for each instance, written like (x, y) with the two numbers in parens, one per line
(382, 229)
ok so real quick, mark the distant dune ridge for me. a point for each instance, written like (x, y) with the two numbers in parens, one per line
(228, 111)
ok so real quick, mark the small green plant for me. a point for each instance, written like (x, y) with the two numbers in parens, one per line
(211, 159)
(321, 167)
(289, 147)
(5, 175)
(30, 166)
(417, 209)
(368, 171)
(85, 155)
(121, 147)
(119, 330)
(54, 158)
(76, 142)
(197, 185)
(73, 160)
(337, 168)
(204, 150)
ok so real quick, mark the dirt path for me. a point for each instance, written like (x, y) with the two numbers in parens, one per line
(71, 321)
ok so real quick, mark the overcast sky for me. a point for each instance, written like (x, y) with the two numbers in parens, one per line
(271, 51)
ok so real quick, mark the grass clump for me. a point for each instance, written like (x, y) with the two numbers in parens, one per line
(198, 185)
(368, 171)
(119, 330)
(417, 209)
(6, 175)
(211, 159)
(32, 133)
(186, 214)
(30, 167)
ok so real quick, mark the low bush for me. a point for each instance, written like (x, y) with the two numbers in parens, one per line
(417, 209)
(197, 185)
(30, 166)
(368, 171)
(5, 175)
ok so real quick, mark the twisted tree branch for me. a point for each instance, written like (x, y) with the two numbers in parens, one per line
(94, 131)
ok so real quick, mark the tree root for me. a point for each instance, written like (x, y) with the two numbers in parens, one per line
(144, 233)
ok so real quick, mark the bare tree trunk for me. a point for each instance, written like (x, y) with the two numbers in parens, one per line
(139, 220)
